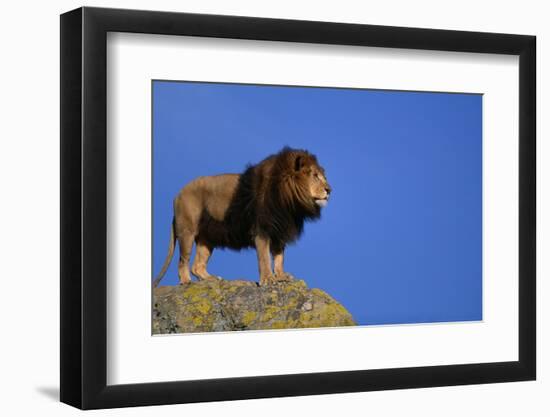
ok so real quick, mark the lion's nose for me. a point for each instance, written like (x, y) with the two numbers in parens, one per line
(328, 189)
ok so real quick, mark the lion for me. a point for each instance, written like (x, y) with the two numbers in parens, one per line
(265, 208)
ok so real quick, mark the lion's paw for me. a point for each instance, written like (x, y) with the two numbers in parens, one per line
(212, 278)
(267, 279)
(284, 277)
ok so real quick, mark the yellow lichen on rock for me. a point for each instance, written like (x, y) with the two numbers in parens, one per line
(243, 305)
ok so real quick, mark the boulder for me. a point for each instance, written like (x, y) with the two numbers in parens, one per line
(212, 306)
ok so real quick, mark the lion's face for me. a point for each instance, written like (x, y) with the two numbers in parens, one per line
(317, 184)
(304, 182)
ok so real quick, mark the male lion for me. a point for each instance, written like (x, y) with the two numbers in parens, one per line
(265, 207)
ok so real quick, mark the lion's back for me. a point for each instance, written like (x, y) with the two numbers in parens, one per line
(211, 193)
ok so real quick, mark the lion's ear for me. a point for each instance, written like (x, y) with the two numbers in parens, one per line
(298, 163)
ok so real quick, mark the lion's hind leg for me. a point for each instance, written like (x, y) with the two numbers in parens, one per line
(185, 240)
(201, 261)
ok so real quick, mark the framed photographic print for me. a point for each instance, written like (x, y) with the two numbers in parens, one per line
(259, 207)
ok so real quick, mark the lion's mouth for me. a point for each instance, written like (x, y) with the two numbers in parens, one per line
(321, 202)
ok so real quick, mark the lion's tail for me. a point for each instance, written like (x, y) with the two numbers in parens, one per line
(168, 259)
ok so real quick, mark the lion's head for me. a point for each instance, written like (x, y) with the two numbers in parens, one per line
(300, 181)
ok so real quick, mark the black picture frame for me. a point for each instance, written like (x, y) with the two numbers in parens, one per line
(84, 207)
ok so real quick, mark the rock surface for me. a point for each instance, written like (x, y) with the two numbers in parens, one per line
(209, 306)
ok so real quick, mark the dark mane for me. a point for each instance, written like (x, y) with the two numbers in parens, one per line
(271, 199)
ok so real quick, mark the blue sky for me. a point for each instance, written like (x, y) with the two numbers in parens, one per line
(400, 240)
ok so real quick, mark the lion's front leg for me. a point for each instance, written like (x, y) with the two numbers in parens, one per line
(278, 261)
(264, 260)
